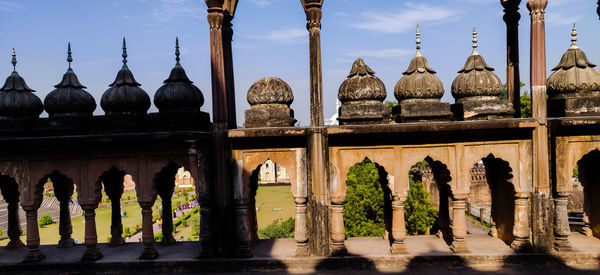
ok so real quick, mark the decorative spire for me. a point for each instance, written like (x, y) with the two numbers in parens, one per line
(418, 41)
(574, 38)
(14, 60)
(475, 52)
(124, 55)
(69, 57)
(177, 50)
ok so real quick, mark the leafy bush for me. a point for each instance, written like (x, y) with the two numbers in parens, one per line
(195, 225)
(363, 209)
(419, 213)
(278, 230)
(1, 232)
(126, 230)
(184, 222)
(45, 220)
(158, 237)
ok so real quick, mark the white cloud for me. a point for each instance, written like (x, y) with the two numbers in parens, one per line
(169, 10)
(8, 6)
(558, 19)
(263, 3)
(382, 53)
(286, 36)
(405, 19)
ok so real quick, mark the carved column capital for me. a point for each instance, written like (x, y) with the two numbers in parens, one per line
(598, 10)
(313, 18)
(215, 19)
(537, 7)
(511, 11)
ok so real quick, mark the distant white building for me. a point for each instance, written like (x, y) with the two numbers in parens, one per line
(333, 119)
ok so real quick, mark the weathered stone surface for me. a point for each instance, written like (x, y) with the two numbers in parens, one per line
(422, 110)
(270, 98)
(477, 108)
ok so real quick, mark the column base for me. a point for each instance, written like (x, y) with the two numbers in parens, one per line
(168, 240)
(34, 255)
(243, 251)
(339, 249)
(149, 253)
(64, 243)
(91, 254)
(493, 232)
(521, 245)
(302, 250)
(460, 247)
(587, 232)
(116, 241)
(398, 248)
(15, 244)
(562, 245)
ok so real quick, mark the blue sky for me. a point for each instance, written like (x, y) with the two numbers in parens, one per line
(270, 39)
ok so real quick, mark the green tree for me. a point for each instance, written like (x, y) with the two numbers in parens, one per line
(391, 105)
(45, 220)
(276, 230)
(363, 209)
(419, 213)
(195, 220)
(525, 105)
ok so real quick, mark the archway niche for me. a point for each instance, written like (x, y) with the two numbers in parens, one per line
(12, 225)
(57, 193)
(590, 180)
(434, 177)
(113, 181)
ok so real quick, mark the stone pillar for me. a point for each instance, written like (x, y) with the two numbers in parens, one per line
(513, 81)
(228, 62)
(561, 223)
(167, 221)
(493, 230)
(243, 230)
(398, 227)
(116, 225)
(14, 226)
(92, 253)
(300, 233)
(587, 229)
(318, 188)
(149, 252)
(33, 236)
(338, 235)
(459, 227)
(521, 228)
(542, 198)
(65, 229)
(598, 10)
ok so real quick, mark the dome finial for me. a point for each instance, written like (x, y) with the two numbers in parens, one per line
(124, 55)
(574, 38)
(177, 50)
(418, 41)
(69, 57)
(14, 60)
(475, 52)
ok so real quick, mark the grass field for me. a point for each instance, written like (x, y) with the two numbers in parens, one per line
(274, 197)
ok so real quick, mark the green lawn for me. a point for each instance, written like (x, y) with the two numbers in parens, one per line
(271, 197)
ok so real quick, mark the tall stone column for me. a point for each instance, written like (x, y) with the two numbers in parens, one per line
(92, 253)
(542, 198)
(318, 200)
(116, 224)
(65, 229)
(459, 227)
(513, 80)
(338, 234)
(223, 210)
(561, 223)
(243, 229)
(33, 236)
(300, 234)
(167, 221)
(149, 252)
(14, 226)
(521, 228)
(398, 227)
(228, 62)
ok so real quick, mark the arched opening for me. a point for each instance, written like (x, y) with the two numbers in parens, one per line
(589, 179)
(12, 220)
(272, 216)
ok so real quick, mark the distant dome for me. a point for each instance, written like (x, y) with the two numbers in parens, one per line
(17, 100)
(574, 73)
(124, 95)
(69, 98)
(270, 90)
(476, 78)
(361, 84)
(178, 94)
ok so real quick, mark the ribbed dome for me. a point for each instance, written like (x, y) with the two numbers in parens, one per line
(69, 98)
(361, 84)
(476, 78)
(270, 90)
(17, 100)
(419, 80)
(178, 94)
(574, 73)
(124, 95)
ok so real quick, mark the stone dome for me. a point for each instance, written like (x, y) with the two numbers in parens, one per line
(361, 84)
(178, 94)
(574, 73)
(419, 80)
(69, 97)
(270, 90)
(17, 100)
(124, 95)
(476, 78)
